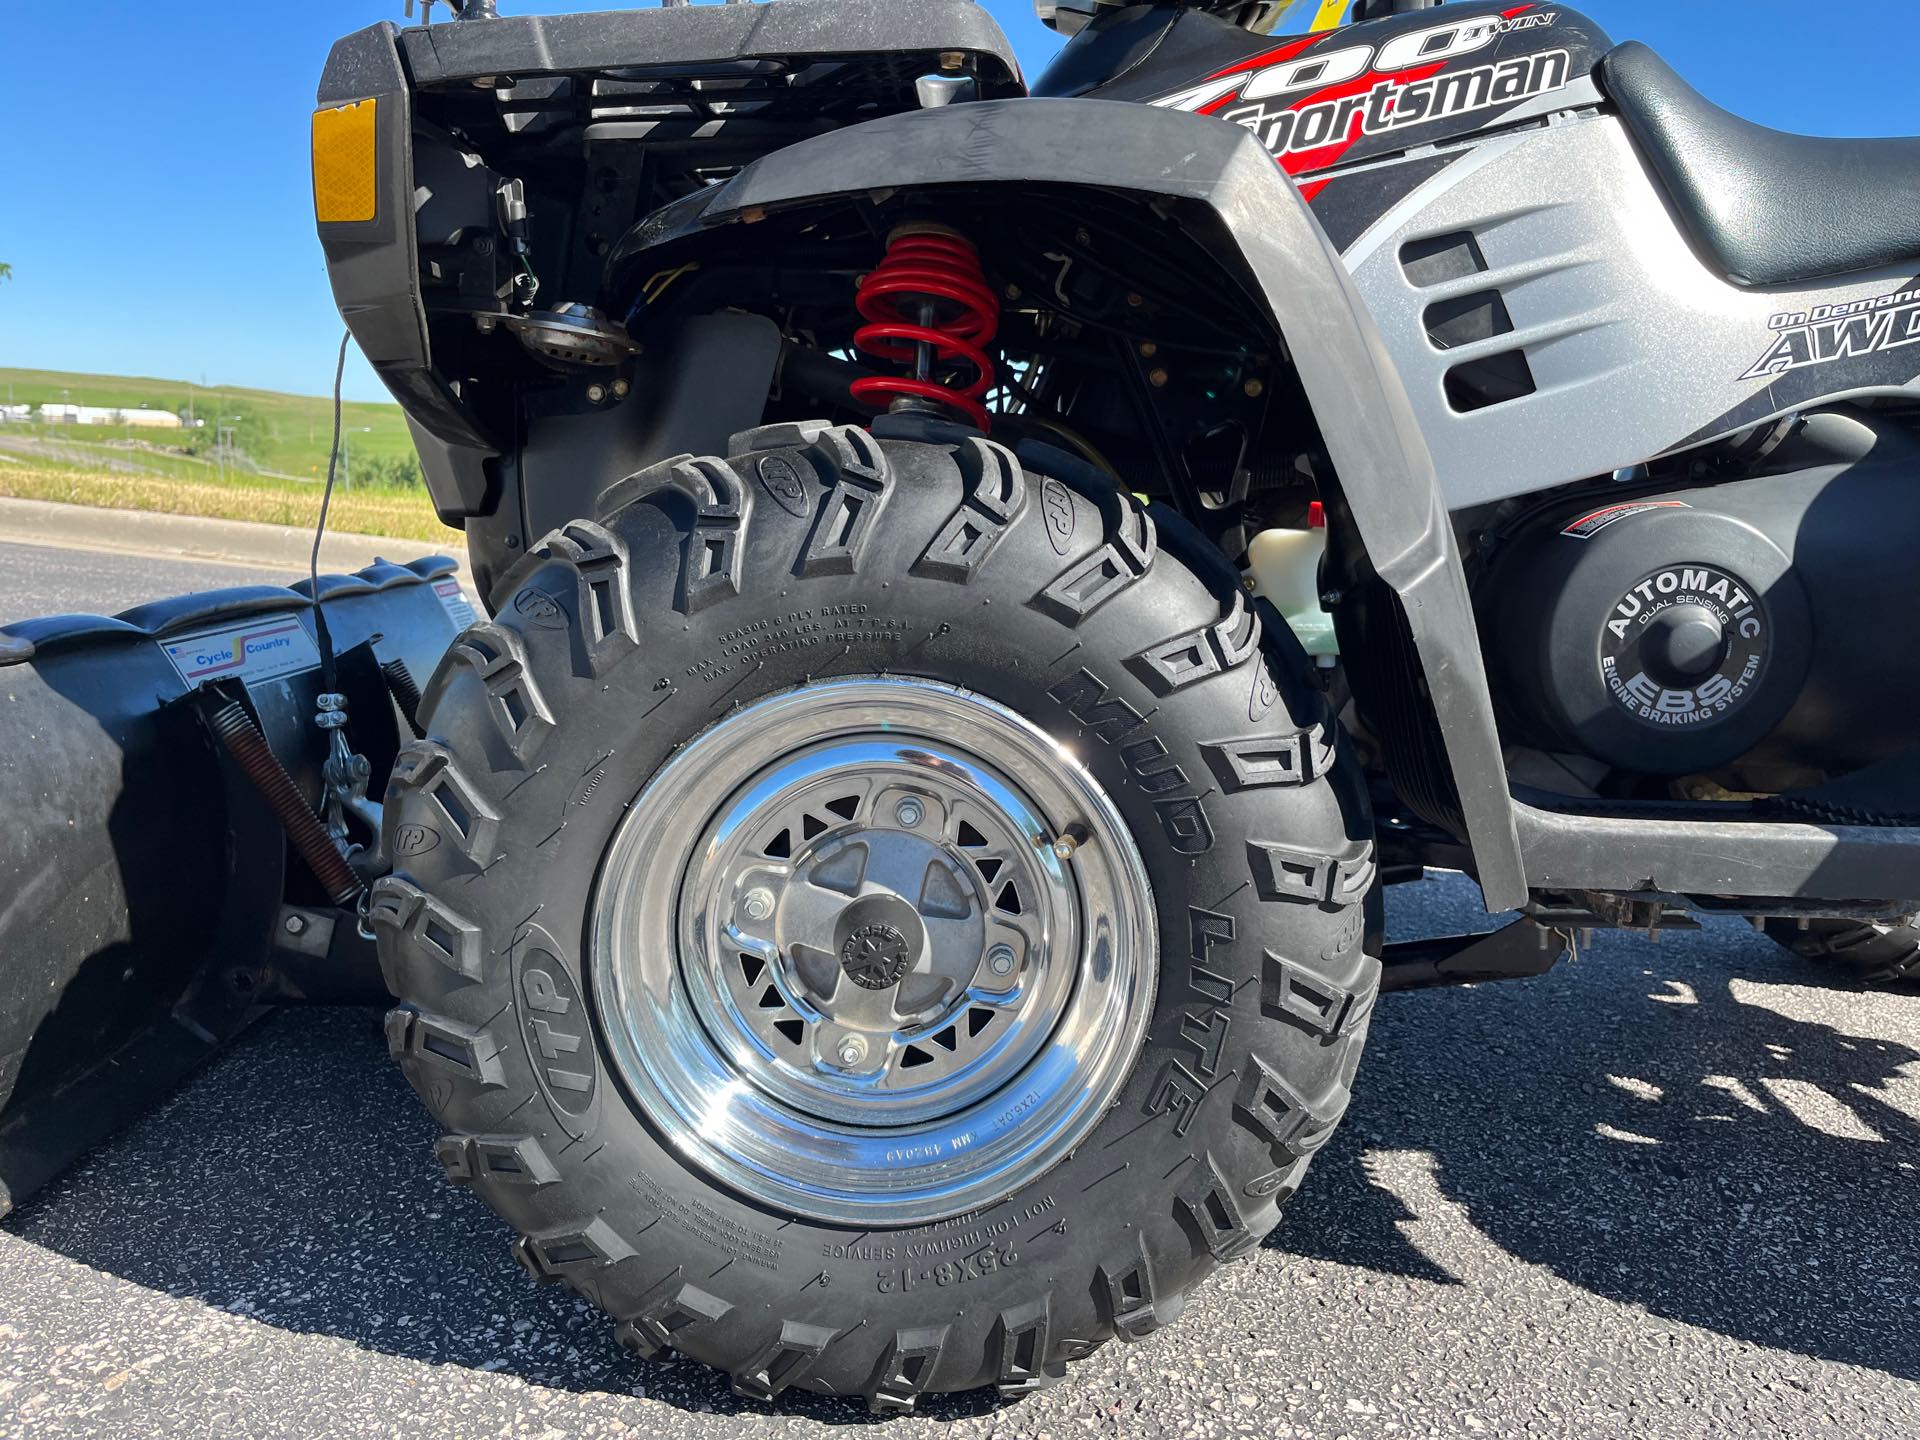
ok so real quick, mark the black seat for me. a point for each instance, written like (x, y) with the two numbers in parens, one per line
(1772, 208)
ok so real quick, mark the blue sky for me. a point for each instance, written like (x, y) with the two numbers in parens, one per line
(156, 207)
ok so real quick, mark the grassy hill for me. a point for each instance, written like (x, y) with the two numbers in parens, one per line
(289, 434)
(282, 442)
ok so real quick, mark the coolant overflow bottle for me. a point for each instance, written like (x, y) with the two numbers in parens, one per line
(1285, 565)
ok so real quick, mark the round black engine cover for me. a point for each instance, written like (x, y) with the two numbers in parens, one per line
(1662, 638)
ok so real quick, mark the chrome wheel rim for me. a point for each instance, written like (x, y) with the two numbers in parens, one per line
(875, 951)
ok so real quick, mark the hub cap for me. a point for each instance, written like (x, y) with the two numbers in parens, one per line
(845, 971)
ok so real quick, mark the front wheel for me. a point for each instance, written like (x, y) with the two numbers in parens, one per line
(876, 919)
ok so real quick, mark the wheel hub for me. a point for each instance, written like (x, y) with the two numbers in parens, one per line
(845, 968)
(875, 957)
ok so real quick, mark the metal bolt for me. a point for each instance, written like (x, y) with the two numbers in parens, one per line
(1013, 292)
(1157, 376)
(1135, 299)
(1148, 349)
(621, 389)
(1253, 389)
(852, 1050)
(596, 393)
(1081, 237)
(1068, 841)
(757, 903)
(296, 924)
(1000, 959)
(909, 812)
(952, 59)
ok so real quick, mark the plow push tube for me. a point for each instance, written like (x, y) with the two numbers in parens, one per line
(1383, 464)
(147, 889)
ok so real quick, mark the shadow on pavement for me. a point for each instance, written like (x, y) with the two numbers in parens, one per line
(292, 1182)
(1655, 1125)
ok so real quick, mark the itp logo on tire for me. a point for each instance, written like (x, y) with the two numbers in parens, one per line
(540, 609)
(411, 840)
(555, 1029)
(1056, 503)
(781, 479)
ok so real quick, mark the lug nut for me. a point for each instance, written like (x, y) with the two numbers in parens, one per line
(1000, 959)
(852, 1050)
(296, 924)
(909, 812)
(757, 904)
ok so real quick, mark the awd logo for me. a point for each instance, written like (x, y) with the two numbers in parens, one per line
(1838, 332)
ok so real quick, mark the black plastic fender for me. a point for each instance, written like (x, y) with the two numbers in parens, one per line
(1385, 468)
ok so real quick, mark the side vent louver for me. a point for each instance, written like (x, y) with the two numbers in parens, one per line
(1467, 320)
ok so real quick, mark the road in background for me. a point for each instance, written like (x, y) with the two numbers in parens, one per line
(50, 580)
(1668, 1190)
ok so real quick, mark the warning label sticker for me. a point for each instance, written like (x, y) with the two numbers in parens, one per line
(1588, 526)
(262, 649)
(454, 601)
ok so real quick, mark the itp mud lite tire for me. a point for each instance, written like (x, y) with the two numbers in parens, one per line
(760, 744)
(1860, 951)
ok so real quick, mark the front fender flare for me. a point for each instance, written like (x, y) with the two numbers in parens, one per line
(1366, 423)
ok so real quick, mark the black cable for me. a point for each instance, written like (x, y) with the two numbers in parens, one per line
(328, 675)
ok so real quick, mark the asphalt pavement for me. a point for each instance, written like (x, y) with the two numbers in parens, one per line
(1666, 1190)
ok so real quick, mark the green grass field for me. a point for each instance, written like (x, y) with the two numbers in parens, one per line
(400, 514)
(284, 440)
(285, 433)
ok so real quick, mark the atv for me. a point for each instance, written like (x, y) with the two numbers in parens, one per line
(983, 587)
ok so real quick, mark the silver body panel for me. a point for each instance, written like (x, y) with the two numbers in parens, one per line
(1637, 347)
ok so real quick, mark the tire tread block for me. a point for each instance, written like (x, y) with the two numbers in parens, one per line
(508, 1159)
(1021, 1336)
(498, 656)
(1209, 1207)
(1171, 665)
(850, 513)
(1281, 1115)
(996, 497)
(435, 1042)
(1126, 557)
(906, 1368)
(1263, 760)
(1293, 872)
(670, 1308)
(785, 1360)
(603, 597)
(427, 768)
(406, 917)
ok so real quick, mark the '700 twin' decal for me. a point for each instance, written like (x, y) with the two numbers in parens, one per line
(1309, 105)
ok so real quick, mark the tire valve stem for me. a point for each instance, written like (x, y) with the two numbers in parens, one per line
(1068, 842)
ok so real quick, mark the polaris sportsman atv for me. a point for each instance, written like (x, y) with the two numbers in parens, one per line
(983, 588)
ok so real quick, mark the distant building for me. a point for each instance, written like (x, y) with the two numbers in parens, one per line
(15, 413)
(103, 415)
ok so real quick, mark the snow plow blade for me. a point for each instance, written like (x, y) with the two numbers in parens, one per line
(151, 903)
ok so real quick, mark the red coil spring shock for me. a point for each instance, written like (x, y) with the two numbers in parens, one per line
(928, 303)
